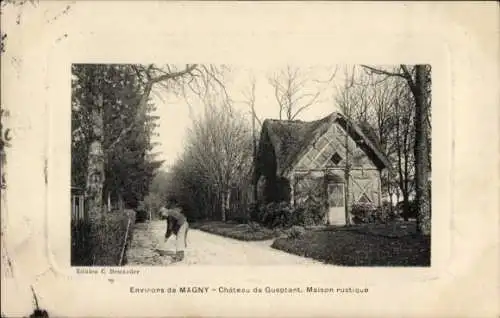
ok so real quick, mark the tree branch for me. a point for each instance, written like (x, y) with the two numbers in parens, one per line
(307, 105)
(188, 69)
(408, 76)
(331, 77)
(211, 75)
(383, 72)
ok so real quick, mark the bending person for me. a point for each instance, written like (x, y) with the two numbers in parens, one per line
(178, 225)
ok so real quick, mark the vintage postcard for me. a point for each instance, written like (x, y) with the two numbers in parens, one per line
(234, 159)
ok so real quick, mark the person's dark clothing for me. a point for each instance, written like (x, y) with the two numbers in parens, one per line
(176, 224)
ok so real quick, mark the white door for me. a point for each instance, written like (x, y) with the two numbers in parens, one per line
(336, 199)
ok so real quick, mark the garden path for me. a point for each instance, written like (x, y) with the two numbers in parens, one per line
(148, 248)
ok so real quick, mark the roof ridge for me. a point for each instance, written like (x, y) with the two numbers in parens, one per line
(332, 114)
(299, 133)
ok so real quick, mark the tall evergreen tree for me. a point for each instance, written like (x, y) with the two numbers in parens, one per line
(127, 171)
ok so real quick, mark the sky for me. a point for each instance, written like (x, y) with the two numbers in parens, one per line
(175, 112)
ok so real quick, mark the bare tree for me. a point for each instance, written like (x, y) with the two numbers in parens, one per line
(403, 139)
(220, 146)
(292, 91)
(250, 101)
(388, 121)
(418, 80)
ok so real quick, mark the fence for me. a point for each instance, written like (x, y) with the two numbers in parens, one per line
(78, 207)
(78, 211)
(101, 241)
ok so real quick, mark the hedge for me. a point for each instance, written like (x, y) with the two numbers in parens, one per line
(101, 242)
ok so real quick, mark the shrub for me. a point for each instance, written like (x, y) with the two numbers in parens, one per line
(141, 213)
(364, 213)
(100, 241)
(253, 212)
(81, 247)
(387, 205)
(254, 226)
(296, 232)
(275, 214)
(282, 215)
(370, 213)
(308, 213)
(384, 214)
(241, 219)
(412, 209)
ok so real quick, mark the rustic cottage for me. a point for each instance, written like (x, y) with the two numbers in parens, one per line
(299, 161)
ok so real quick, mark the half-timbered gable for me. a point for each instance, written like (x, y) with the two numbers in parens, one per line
(299, 161)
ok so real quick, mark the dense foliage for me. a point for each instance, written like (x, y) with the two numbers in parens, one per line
(126, 143)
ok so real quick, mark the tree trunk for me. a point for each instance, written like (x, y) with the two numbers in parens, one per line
(254, 138)
(95, 169)
(120, 202)
(421, 153)
(391, 200)
(226, 196)
(95, 178)
(406, 205)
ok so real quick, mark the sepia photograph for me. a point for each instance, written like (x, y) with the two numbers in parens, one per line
(236, 159)
(202, 164)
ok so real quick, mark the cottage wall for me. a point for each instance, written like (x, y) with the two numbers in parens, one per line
(323, 161)
(271, 187)
(309, 185)
(327, 156)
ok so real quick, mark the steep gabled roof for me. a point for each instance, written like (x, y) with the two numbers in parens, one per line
(291, 138)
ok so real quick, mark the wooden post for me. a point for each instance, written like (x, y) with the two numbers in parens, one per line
(347, 174)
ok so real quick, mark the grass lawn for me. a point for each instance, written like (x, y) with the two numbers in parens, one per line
(242, 232)
(364, 245)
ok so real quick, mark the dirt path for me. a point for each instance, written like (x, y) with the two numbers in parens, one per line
(148, 248)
